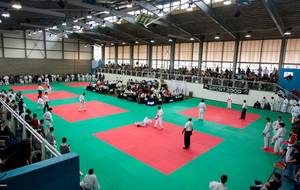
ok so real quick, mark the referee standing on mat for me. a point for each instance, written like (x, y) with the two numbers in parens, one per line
(188, 129)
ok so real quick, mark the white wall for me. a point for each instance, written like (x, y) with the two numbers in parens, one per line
(199, 92)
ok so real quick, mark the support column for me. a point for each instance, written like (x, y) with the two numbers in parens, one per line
(150, 48)
(200, 56)
(172, 59)
(25, 45)
(2, 45)
(116, 55)
(103, 55)
(235, 56)
(45, 44)
(282, 53)
(131, 55)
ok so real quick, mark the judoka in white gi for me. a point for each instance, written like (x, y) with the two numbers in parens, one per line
(292, 104)
(82, 102)
(280, 135)
(40, 102)
(229, 100)
(272, 103)
(278, 103)
(295, 112)
(143, 123)
(291, 142)
(275, 128)
(202, 109)
(158, 117)
(266, 133)
(263, 102)
(48, 90)
(284, 104)
(48, 117)
(90, 181)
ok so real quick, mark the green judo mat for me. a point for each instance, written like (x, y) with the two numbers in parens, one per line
(239, 155)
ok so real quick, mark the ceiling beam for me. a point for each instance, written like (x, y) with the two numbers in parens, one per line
(274, 15)
(213, 16)
(35, 10)
(167, 17)
(128, 17)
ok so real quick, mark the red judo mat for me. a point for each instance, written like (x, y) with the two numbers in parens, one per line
(52, 96)
(77, 84)
(271, 150)
(222, 116)
(160, 149)
(27, 87)
(95, 109)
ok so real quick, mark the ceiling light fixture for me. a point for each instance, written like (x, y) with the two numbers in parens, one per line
(190, 8)
(5, 13)
(103, 24)
(0, 21)
(192, 38)
(106, 12)
(152, 41)
(40, 30)
(119, 20)
(17, 5)
(29, 34)
(227, 2)
(85, 45)
(160, 13)
(136, 41)
(89, 15)
(64, 23)
(34, 32)
(170, 40)
(248, 35)
(75, 19)
(217, 37)
(123, 43)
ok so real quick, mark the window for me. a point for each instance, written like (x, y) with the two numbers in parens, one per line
(292, 53)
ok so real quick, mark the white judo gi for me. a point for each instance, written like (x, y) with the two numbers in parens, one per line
(284, 105)
(49, 121)
(272, 104)
(280, 135)
(292, 104)
(263, 102)
(145, 122)
(275, 129)
(291, 143)
(158, 118)
(90, 182)
(295, 113)
(229, 101)
(40, 102)
(82, 103)
(202, 109)
(267, 134)
(278, 103)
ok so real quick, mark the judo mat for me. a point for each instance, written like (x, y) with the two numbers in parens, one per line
(27, 87)
(70, 112)
(271, 150)
(76, 84)
(160, 149)
(56, 95)
(223, 116)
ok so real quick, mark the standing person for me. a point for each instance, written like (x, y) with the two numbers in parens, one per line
(202, 109)
(188, 130)
(90, 181)
(295, 112)
(291, 142)
(64, 148)
(292, 104)
(280, 135)
(278, 103)
(47, 81)
(266, 133)
(40, 102)
(284, 104)
(272, 103)
(214, 185)
(229, 100)
(48, 117)
(82, 102)
(40, 91)
(46, 102)
(244, 109)
(51, 139)
(48, 90)
(158, 117)
(275, 128)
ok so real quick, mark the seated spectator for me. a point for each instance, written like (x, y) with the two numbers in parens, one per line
(293, 164)
(20, 157)
(64, 148)
(297, 180)
(256, 105)
(90, 181)
(267, 106)
(214, 185)
(270, 185)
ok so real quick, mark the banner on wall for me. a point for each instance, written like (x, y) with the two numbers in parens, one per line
(179, 86)
(226, 89)
(95, 64)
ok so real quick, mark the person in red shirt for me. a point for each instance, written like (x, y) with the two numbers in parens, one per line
(295, 93)
(291, 142)
(35, 122)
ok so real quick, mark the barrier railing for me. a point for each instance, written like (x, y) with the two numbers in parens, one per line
(26, 127)
(233, 83)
